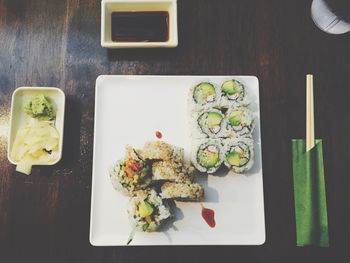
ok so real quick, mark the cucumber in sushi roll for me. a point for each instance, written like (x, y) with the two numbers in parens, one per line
(233, 93)
(207, 155)
(147, 210)
(240, 121)
(131, 174)
(203, 95)
(209, 124)
(239, 154)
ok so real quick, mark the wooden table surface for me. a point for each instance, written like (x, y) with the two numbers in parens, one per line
(44, 217)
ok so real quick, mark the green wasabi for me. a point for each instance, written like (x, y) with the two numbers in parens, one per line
(40, 107)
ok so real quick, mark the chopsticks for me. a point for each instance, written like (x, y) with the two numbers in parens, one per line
(310, 200)
(310, 123)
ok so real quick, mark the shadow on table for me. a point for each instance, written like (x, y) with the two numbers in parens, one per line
(72, 125)
(141, 54)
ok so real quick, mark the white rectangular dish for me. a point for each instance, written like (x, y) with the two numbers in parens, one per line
(109, 6)
(18, 117)
(129, 110)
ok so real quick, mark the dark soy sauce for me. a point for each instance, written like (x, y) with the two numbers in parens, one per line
(140, 26)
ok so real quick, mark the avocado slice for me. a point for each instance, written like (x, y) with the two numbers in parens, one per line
(235, 117)
(145, 209)
(203, 91)
(214, 119)
(207, 158)
(231, 87)
(233, 158)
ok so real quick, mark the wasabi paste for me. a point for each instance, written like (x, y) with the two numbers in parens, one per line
(40, 107)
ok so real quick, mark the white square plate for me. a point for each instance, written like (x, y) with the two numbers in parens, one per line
(129, 110)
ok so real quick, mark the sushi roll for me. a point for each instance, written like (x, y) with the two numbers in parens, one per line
(207, 155)
(171, 170)
(203, 95)
(147, 210)
(182, 191)
(233, 93)
(158, 150)
(131, 174)
(209, 123)
(239, 154)
(240, 122)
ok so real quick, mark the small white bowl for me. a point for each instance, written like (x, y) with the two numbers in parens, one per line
(109, 6)
(18, 117)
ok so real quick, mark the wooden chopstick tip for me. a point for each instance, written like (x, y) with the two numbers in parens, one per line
(309, 78)
(310, 124)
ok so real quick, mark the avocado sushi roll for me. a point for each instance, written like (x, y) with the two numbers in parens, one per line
(207, 155)
(147, 210)
(233, 93)
(209, 123)
(131, 174)
(239, 154)
(203, 95)
(240, 122)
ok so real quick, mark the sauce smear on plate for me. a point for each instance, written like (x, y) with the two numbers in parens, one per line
(209, 216)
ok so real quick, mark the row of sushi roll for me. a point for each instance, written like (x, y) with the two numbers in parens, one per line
(214, 123)
(209, 95)
(152, 177)
(236, 154)
(221, 127)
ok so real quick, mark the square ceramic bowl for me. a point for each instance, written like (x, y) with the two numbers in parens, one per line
(18, 117)
(110, 6)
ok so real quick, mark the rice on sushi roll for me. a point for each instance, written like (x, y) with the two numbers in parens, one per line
(182, 191)
(240, 121)
(207, 155)
(131, 174)
(147, 210)
(203, 95)
(239, 154)
(209, 123)
(158, 150)
(233, 93)
(171, 170)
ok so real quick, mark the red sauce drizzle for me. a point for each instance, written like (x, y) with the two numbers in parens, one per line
(209, 216)
(159, 135)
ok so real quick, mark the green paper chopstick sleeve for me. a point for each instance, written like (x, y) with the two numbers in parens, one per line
(309, 195)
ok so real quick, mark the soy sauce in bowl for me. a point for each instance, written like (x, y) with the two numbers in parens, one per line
(140, 26)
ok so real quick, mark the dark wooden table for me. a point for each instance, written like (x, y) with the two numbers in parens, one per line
(44, 217)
